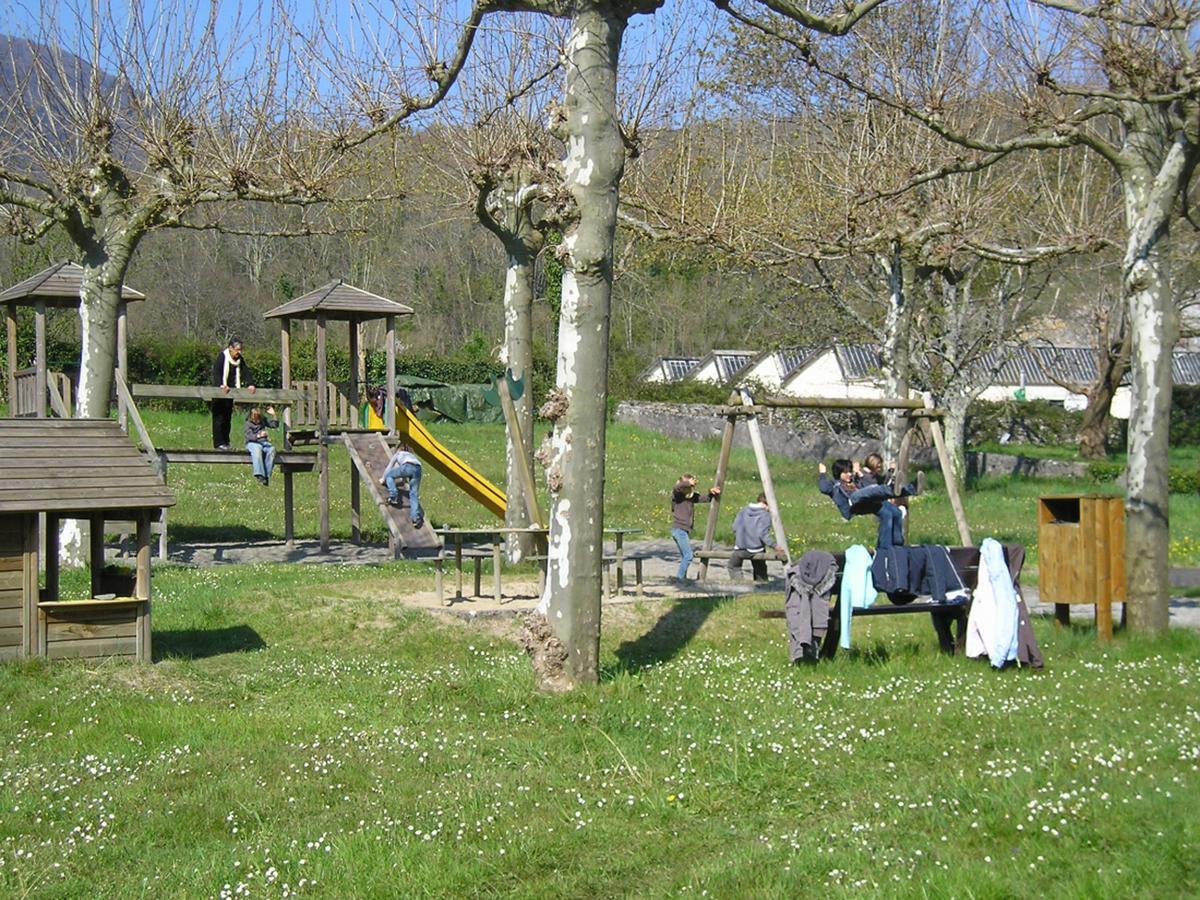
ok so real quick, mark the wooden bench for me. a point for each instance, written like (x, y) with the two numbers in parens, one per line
(705, 555)
(946, 614)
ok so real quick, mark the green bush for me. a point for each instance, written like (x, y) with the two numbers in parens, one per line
(1102, 470)
(1185, 416)
(1183, 481)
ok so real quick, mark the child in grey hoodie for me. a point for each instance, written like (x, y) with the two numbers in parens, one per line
(752, 534)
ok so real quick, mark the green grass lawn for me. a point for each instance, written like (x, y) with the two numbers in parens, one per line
(304, 733)
(225, 503)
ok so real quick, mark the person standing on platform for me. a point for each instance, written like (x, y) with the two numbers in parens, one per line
(230, 371)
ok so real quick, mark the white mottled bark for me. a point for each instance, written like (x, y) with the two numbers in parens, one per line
(100, 294)
(1151, 186)
(575, 472)
(896, 352)
(518, 356)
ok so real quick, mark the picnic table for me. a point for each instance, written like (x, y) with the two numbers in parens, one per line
(477, 544)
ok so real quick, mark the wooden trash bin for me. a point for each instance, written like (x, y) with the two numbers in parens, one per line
(1081, 555)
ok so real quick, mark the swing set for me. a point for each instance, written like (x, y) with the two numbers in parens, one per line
(742, 406)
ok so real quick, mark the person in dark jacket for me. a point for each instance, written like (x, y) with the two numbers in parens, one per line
(853, 498)
(752, 534)
(684, 498)
(229, 371)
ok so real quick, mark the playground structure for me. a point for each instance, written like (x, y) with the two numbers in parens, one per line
(314, 412)
(743, 406)
(109, 480)
(35, 391)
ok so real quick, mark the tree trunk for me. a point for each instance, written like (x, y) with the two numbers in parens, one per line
(954, 426)
(897, 352)
(1151, 188)
(99, 294)
(518, 355)
(575, 464)
(1093, 433)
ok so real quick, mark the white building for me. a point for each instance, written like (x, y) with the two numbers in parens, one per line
(667, 369)
(842, 372)
(721, 366)
(772, 368)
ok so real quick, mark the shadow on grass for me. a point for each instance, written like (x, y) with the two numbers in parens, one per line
(199, 643)
(670, 634)
(197, 534)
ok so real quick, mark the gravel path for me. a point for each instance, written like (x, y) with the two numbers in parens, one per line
(661, 561)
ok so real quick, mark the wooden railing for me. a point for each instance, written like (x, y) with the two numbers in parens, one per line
(25, 402)
(341, 413)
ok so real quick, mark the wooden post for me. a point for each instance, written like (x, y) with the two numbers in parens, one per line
(39, 339)
(289, 512)
(960, 516)
(11, 321)
(285, 364)
(764, 474)
(524, 469)
(96, 550)
(52, 561)
(710, 528)
(142, 588)
(1094, 516)
(122, 359)
(357, 367)
(390, 404)
(323, 432)
(30, 620)
(496, 569)
(901, 474)
(162, 513)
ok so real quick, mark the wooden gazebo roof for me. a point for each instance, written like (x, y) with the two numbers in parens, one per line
(56, 286)
(75, 467)
(340, 301)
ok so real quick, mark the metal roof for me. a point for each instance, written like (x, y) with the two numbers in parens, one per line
(74, 466)
(727, 362)
(340, 301)
(858, 360)
(1185, 367)
(56, 286)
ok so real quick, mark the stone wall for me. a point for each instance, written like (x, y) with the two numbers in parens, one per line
(697, 422)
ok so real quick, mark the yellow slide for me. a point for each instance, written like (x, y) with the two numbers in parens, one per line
(426, 446)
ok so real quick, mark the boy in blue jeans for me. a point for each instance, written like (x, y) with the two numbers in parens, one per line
(405, 464)
(859, 496)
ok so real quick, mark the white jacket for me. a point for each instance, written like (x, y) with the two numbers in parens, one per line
(992, 624)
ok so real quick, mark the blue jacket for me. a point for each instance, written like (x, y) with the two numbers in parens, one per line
(858, 590)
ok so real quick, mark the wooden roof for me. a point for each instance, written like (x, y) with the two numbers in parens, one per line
(56, 286)
(74, 466)
(341, 301)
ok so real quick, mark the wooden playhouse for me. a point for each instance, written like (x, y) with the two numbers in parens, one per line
(54, 469)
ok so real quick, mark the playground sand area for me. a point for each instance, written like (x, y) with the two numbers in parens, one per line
(519, 592)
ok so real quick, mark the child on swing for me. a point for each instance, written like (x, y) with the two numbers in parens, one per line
(858, 491)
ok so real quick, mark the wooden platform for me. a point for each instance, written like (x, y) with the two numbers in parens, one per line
(284, 459)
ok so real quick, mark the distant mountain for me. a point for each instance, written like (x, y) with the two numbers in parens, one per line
(42, 89)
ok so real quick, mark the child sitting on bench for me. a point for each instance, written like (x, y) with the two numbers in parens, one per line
(858, 493)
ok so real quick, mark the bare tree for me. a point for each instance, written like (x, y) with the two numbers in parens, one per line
(1122, 79)
(122, 121)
